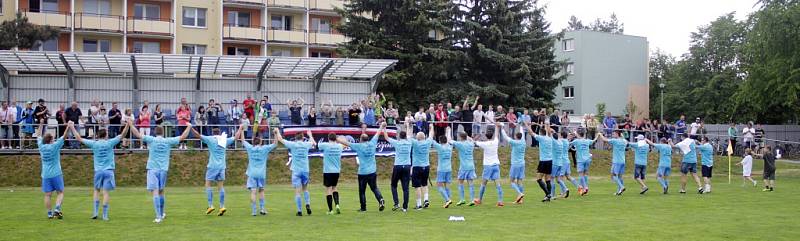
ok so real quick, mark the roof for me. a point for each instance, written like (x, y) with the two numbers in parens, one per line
(273, 66)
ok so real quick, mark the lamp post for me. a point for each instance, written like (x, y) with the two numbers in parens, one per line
(661, 85)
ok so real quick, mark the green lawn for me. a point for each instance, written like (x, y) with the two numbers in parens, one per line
(731, 212)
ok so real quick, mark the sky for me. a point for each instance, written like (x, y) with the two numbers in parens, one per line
(667, 24)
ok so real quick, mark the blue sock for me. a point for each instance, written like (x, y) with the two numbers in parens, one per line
(483, 190)
(552, 191)
(586, 182)
(441, 191)
(96, 208)
(222, 197)
(210, 197)
(105, 211)
(157, 205)
(521, 188)
(161, 201)
(471, 191)
(616, 180)
(514, 186)
(447, 191)
(461, 190)
(666, 182)
(499, 192)
(253, 207)
(298, 202)
(261, 203)
(307, 197)
(563, 186)
(574, 183)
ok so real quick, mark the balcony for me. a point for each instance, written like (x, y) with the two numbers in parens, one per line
(325, 5)
(151, 26)
(326, 38)
(233, 32)
(55, 19)
(287, 36)
(286, 3)
(244, 2)
(99, 22)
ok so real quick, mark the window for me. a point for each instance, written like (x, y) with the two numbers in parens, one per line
(49, 45)
(570, 68)
(281, 22)
(90, 45)
(321, 25)
(281, 52)
(568, 44)
(238, 51)
(146, 11)
(432, 34)
(239, 19)
(49, 6)
(97, 7)
(569, 92)
(147, 47)
(321, 54)
(194, 17)
(195, 49)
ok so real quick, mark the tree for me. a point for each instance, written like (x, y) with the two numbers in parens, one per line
(19, 33)
(771, 61)
(612, 25)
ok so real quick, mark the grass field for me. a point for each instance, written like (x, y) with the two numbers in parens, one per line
(731, 212)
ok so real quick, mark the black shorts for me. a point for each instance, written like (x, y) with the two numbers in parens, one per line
(769, 174)
(545, 167)
(419, 176)
(330, 179)
(706, 171)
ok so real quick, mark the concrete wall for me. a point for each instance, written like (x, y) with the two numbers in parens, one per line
(608, 68)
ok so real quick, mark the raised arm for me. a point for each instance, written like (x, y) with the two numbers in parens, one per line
(75, 133)
(497, 130)
(311, 138)
(239, 133)
(134, 131)
(505, 135)
(125, 130)
(448, 134)
(475, 104)
(431, 132)
(185, 133)
(194, 131)
(343, 141)
(602, 137)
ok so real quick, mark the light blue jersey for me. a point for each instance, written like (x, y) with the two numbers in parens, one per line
(299, 151)
(51, 157)
(639, 153)
(366, 155)
(518, 152)
(618, 146)
(216, 153)
(557, 151)
(420, 151)
(664, 155)
(160, 149)
(103, 152)
(706, 155)
(257, 159)
(691, 157)
(545, 147)
(466, 161)
(564, 152)
(582, 148)
(445, 156)
(331, 156)
(402, 149)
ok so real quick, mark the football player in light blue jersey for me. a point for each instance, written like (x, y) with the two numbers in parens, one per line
(466, 166)
(402, 166)
(584, 156)
(257, 157)
(217, 164)
(331, 166)
(367, 168)
(299, 167)
(420, 168)
(664, 162)
(517, 172)
(444, 170)
(689, 165)
(706, 161)
(618, 146)
(158, 164)
(640, 149)
(545, 168)
(103, 153)
(52, 177)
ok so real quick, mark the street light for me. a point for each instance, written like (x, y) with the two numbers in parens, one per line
(661, 85)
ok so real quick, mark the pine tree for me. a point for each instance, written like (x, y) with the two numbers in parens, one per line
(20, 33)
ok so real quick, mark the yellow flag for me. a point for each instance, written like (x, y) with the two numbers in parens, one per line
(730, 148)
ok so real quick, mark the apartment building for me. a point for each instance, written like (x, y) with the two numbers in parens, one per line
(293, 28)
(603, 68)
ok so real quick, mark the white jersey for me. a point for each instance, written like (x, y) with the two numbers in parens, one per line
(478, 116)
(747, 165)
(489, 151)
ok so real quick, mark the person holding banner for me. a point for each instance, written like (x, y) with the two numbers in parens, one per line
(331, 166)
(217, 163)
(367, 169)
(299, 167)
(402, 166)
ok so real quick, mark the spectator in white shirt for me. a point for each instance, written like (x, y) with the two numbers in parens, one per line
(477, 116)
(747, 135)
(693, 128)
